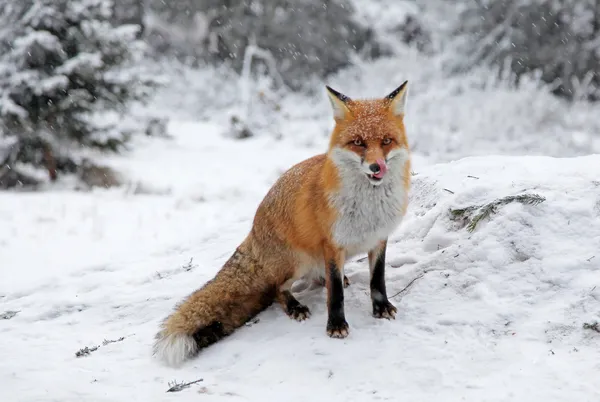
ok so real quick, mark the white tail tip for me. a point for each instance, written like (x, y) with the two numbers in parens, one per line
(174, 349)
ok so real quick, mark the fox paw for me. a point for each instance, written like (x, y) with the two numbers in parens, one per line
(346, 281)
(384, 309)
(299, 312)
(337, 328)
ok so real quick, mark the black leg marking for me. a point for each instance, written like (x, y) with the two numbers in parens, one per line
(382, 308)
(293, 308)
(321, 281)
(337, 327)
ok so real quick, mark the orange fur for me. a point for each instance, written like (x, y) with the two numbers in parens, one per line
(292, 232)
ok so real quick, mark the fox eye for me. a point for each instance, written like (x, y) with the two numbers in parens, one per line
(387, 141)
(358, 142)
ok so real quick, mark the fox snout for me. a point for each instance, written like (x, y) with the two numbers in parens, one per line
(377, 169)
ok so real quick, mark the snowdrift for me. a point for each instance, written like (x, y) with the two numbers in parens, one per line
(495, 272)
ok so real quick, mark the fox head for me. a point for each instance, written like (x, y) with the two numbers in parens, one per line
(369, 138)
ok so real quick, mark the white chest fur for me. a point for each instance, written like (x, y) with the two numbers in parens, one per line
(367, 214)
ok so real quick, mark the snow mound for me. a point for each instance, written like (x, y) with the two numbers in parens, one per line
(529, 268)
(492, 311)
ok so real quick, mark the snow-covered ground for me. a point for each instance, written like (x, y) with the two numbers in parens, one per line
(495, 314)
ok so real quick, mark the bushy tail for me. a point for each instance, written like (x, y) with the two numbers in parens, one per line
(238, 292)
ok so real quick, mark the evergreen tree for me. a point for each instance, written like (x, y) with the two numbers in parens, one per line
(560, 39)
(62, 65)
(130, 12)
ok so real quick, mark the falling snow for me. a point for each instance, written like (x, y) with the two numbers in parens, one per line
(496, 302)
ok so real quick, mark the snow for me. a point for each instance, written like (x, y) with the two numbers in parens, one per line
(494, 315)
(449, 116)
(84, 64)
(44, 39)
(10, 108)
(51, 85)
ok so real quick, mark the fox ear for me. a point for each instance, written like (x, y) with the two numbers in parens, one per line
(338, 103)
(397, 99)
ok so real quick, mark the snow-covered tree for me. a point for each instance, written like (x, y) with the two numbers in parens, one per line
(130, 12)
(559, 39)
(63, 64)
(306, 38)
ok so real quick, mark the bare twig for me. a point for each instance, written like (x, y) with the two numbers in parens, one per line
(422, 274)
(86, 351)
(591, 258)
(176, 387)
(189, 266)
(252, 51)
(450, 191)
(473, 177)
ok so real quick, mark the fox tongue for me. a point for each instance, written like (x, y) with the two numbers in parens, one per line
(382, 169)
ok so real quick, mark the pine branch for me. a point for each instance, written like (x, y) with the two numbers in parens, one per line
(474, 214)
(60, 75)
(86, 351)
(176, 387)
(595, 326)
(10, 159)
(7, 315)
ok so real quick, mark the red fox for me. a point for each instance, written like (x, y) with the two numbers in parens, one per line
(321, 212)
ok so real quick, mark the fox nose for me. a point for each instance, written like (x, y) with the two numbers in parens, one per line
(374, 167)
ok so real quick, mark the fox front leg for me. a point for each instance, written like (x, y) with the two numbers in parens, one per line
(337, 327)
(382, 308)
